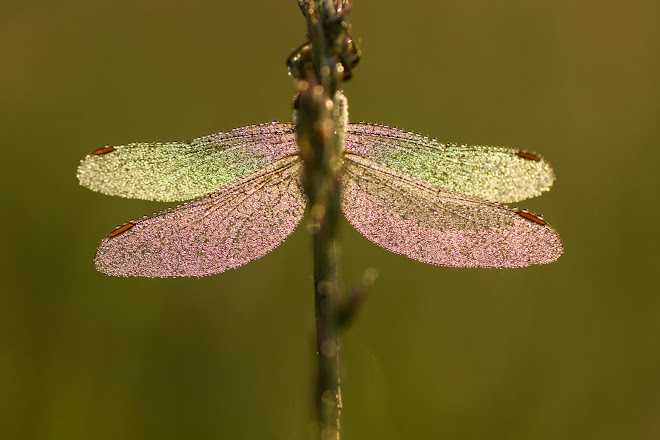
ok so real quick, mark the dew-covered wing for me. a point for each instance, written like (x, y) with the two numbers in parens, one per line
(492, 173)
(178, 171)
(243, 221)
(408, 216)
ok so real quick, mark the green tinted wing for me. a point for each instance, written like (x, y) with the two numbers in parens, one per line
(492, 173)
(178, 171)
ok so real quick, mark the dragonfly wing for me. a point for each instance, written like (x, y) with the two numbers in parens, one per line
(239, 223)
(492, 173)
(178, 171)
(408, 216)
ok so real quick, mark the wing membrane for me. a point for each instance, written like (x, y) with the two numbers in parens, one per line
(408, 216)
(239, 223)
(179, 171)
(491, 173)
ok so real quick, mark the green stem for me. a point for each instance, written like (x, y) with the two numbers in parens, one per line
(320, 124)
(320, 181)
(328, 392)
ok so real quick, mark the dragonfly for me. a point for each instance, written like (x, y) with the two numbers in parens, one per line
(438, 203)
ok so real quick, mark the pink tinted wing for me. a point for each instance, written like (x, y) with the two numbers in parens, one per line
(408, 216)
(238, 223)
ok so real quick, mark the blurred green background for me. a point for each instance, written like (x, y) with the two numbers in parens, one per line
(569, 350)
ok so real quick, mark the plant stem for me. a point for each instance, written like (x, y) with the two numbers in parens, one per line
(328, 393)
(318, 145)
(320, 119)
(324, 208)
